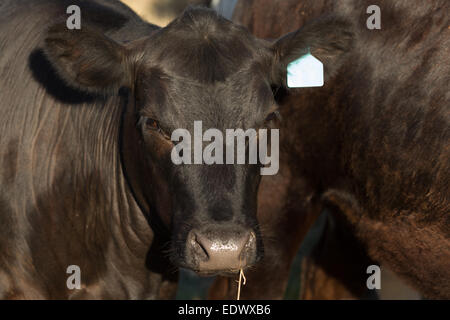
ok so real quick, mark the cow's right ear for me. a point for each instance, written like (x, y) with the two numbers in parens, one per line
(88, 60)
(328, 39)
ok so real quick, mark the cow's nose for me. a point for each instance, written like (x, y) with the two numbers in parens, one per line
(219, 252)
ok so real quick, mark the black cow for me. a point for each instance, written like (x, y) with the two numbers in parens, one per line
(372, 146)
(86, 176)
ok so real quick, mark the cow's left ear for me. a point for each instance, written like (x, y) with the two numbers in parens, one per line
(328, 39)
(88, 60)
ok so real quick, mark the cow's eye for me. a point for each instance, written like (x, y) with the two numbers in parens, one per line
(152, 124)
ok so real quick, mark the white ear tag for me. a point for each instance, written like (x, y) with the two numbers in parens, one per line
(306, 71)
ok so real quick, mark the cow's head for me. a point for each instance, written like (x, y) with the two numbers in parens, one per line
(200, 67)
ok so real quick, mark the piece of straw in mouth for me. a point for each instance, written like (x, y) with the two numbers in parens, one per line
(242, 281)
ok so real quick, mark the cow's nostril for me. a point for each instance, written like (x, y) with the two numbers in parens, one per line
(198, 251)
(221, 251)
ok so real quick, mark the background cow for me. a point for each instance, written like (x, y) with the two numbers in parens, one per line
(371, 146)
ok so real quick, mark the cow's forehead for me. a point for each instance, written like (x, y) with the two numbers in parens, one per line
(202, 46)
(241, 101)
